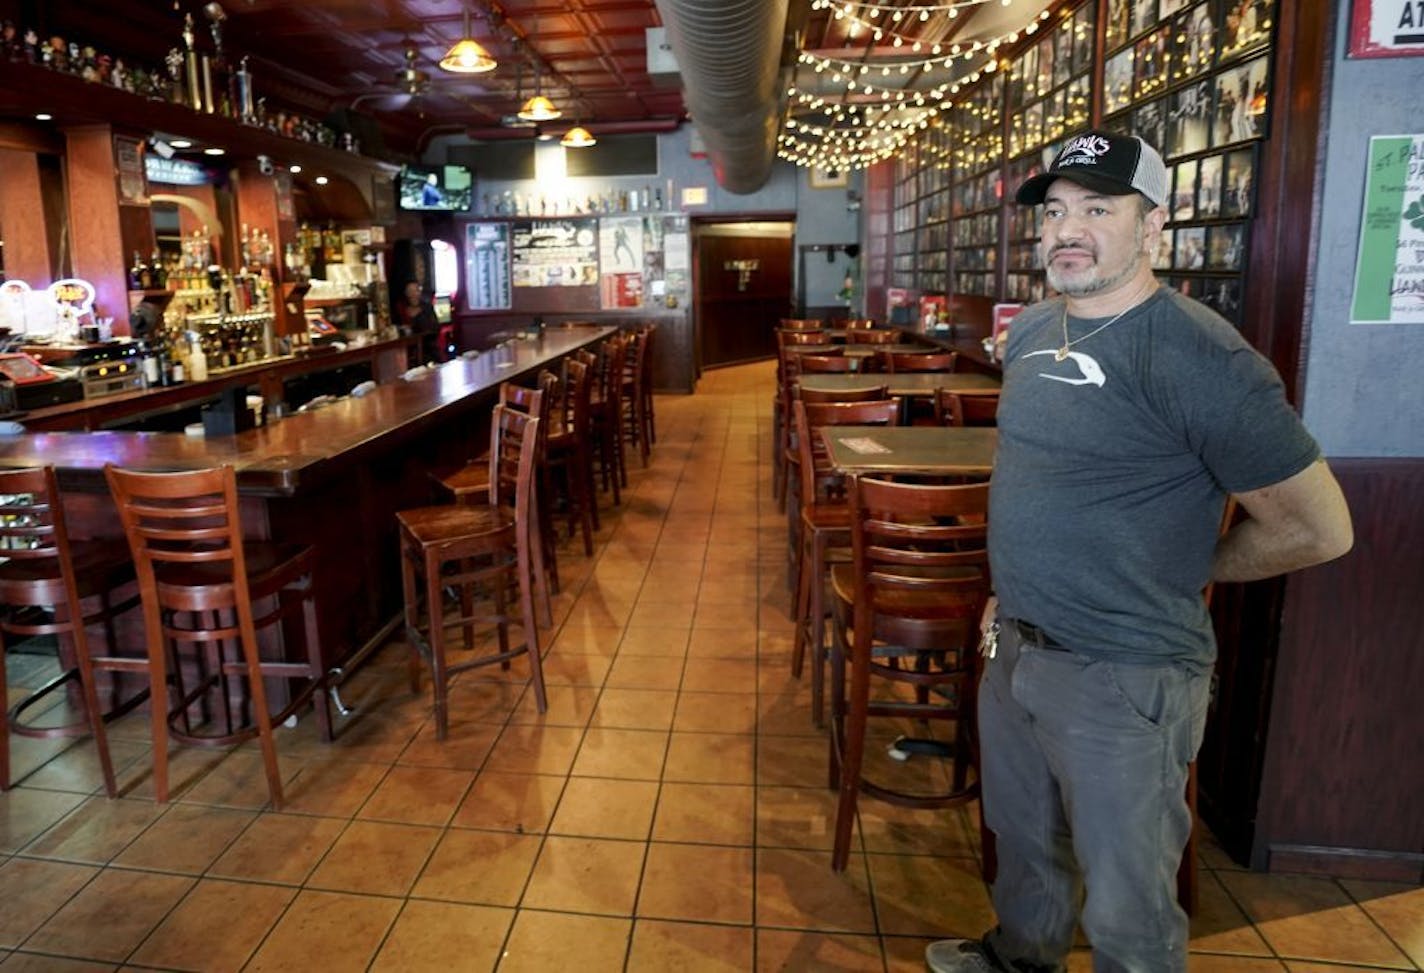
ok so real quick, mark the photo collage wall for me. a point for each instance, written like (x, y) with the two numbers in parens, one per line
(1192, 77)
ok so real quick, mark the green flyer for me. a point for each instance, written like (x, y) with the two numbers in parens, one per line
(1389, 274)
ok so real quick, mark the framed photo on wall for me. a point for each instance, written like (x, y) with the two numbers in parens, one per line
(1209, 187)
(1188, 125)
(1117, 20)
(1245, 25)
(828, 178)
(1191, 248)
(1144, 15)
(1237, 182)
(1184, 191)
(1242, 103)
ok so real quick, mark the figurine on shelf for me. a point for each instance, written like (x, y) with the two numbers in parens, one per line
(10, 40)
(174, 63)
(32, 46)
(89, 64)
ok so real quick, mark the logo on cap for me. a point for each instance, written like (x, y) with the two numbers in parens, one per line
(1083, 151)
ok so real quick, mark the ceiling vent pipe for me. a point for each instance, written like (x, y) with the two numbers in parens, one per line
(729, 53)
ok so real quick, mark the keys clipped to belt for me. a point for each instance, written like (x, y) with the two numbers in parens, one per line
(989, 641)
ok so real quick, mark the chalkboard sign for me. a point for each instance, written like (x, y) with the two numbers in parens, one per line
(487, 266)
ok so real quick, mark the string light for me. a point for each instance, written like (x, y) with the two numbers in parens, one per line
(856, 136)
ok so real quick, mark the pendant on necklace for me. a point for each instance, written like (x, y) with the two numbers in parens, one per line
(1061, 353)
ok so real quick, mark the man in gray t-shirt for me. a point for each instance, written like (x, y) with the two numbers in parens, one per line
(1128, 414)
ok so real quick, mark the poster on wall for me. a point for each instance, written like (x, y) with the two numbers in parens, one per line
(555, 253)
(128, 166)
(1386, 28)
(487, 266)
(620, 257)
(1389, 274)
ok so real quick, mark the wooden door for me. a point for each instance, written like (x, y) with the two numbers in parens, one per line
(744, 290)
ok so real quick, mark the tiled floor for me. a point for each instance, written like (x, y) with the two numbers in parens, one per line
(668, 812)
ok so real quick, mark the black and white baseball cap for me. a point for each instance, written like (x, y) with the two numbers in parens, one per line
(1115, 165)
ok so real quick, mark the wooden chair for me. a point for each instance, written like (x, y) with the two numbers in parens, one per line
(606, 407)
(880, 336)
(872, 394)
(463, 545)
(909, 361)
(907, 609)
(45, 579)
(801, 324)
(568, 450)
(828, 364)
(965, 408)
(784, 338)
(1188, 887)
(471, 483)
(635, 394)
(854, 324)
(824, 520)
(200, 583)
(649, 417)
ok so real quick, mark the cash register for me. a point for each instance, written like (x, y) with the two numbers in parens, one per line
(29, 385)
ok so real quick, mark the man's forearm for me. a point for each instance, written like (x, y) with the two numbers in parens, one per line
(1251, 551)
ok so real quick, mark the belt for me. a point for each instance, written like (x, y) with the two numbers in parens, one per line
(1031, 634)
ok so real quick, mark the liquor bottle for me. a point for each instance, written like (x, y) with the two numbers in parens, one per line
(136, 273)
(157, 275)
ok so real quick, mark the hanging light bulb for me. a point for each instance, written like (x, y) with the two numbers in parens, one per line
(578, 137)
(467, 56)
(539, 109)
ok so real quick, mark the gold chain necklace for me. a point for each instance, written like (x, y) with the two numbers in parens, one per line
(1062, 352)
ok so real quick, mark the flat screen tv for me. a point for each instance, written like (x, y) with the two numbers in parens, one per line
(442, 188)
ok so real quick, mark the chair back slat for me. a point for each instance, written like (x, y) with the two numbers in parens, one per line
(31, 523)
(820, 482)
(910, 361)
(979, 407)
(827, 364)
(872, 394)
(922, 539)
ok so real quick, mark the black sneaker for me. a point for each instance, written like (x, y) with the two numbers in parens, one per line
(960, 956)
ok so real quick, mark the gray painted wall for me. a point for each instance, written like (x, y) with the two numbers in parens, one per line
(1364, 384)
(821, 214)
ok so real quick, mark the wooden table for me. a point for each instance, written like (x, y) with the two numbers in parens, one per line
(904, 384)
(939, 450)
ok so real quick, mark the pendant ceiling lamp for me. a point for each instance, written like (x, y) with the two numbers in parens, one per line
(578, 137)
(538, 108)
(468, 55)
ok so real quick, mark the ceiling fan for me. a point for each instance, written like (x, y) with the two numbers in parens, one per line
(409, 84)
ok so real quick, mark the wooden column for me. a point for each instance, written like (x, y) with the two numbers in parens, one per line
(22, 218)
(96, 237)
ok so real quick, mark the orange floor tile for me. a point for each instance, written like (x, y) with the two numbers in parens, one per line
(668, 812)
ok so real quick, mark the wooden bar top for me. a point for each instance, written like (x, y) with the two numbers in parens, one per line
(283, 456)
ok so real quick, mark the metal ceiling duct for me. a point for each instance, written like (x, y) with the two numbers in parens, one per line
(729, 54)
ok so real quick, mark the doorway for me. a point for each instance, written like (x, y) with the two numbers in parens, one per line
(743, 287)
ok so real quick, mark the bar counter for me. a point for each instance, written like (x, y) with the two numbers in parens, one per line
(332, 477)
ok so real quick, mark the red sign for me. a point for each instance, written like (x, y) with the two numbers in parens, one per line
(1387, 28)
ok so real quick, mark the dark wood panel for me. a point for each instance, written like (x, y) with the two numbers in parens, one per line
(738, 311)
(1344, 781)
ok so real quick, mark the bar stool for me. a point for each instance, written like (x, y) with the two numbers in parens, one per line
(635, 393)
(607, 411)
(200, 582)
(907, 610)
(824, 525)
(45, 578)
(649, 417)
(470, 483)
(567, 449)
(463, 545)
